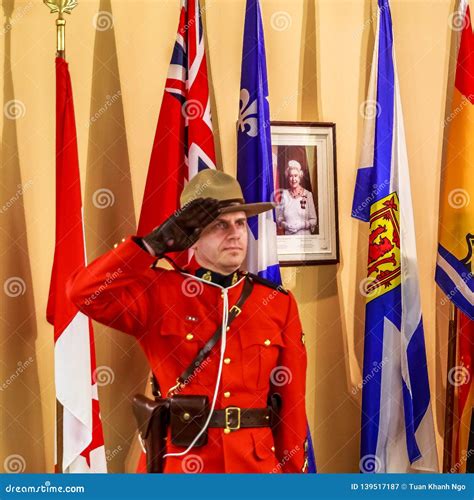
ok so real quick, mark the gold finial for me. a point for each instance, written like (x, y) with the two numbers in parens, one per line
(61, 7)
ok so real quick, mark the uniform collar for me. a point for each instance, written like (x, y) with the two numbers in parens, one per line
(223, 280)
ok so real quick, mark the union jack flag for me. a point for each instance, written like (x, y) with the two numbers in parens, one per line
(184, 141)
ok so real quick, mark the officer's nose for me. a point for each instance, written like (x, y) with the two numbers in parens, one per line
(234, 231)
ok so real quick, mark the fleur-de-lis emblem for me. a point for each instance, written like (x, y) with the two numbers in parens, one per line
(248, 114)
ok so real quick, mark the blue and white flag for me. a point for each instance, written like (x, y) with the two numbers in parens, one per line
(397, 432)
(254, 157)
(254, 147)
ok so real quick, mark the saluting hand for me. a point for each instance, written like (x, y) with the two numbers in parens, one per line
(183, 228)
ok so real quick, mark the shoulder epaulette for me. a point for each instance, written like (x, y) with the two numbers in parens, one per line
(265, 282)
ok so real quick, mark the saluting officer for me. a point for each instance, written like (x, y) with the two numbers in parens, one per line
(173, 313)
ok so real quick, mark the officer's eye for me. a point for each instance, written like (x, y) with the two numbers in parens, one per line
(221, 225)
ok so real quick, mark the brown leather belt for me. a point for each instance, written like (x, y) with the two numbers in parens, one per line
(233, 417)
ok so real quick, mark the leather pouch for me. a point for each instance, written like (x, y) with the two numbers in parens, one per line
(188, 414)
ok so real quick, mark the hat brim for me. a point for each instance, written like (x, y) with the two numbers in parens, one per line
(250, 209)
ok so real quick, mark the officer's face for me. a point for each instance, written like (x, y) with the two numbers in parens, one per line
(222, 245)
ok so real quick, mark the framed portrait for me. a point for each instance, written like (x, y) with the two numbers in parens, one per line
(304, 174)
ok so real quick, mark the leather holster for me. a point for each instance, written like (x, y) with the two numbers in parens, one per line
(152, 418)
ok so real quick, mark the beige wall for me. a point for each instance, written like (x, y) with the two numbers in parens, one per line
(318, 64)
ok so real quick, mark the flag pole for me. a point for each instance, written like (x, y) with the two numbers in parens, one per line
(450, 391)
(60, 7)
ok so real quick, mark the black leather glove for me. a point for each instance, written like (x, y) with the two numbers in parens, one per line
(183, 228)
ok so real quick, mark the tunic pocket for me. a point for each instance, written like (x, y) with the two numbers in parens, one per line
(180, 342)
(264, 451)
(260, 352)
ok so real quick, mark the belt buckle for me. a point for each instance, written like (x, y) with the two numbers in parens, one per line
(236, 309)
(227, 418)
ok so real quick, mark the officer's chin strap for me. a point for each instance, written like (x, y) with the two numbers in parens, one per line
(225, 316)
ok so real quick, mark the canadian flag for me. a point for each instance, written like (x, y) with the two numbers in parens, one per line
(80, 440)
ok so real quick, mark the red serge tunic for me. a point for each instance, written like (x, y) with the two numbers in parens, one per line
(172, 314)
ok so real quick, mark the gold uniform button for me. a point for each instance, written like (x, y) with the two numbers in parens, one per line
(226, 361)
(228, 328)
(226, 431)
(189, 336)
(227, 394)
(186, 416)
(115, 245)
(123, 239)
(273, 448)
(267, 342)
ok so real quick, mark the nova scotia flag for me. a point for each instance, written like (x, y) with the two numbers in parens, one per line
(397, 432)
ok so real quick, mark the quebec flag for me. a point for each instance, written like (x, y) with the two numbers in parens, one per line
(397, 433)
(254, 147)
(254, 158)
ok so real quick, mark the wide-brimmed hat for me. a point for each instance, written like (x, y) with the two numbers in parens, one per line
(210, 183)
